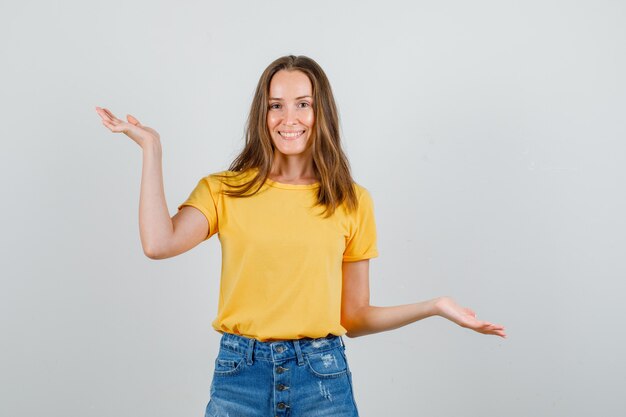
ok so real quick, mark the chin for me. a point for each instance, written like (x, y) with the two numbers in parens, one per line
(290, 152)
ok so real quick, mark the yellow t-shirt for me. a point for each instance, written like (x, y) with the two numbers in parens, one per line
(281, 261)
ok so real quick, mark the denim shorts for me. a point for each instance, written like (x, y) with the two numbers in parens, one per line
(287, 378)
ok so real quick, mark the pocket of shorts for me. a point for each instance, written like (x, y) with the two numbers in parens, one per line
(345, 358)
(228, 363)
(329, 364)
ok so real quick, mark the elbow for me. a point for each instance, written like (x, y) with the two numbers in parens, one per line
(163, 250)
(349, 332)
(354, 333)
(351, 329)
(355, 321)
(152, 253)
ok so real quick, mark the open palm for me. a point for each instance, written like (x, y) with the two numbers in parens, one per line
(466, 317)
(142, 135)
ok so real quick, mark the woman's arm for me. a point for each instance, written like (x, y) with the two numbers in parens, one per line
(360, 318)
(161, 236)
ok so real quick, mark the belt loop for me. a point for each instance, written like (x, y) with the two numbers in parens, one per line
(296, 345)
(250, 350)
(341, 340)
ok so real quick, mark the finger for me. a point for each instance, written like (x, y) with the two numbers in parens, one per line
(494, 332)
(109, 125)
(133, 120)
(501, 334)
(486, 328)
(498, 333)
(111, 115)
(117, 121)
(102, 114)
(107, 116)
(492, 325)
(114, 122)
(107, 111)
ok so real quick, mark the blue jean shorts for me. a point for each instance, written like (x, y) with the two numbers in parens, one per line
(287, 378)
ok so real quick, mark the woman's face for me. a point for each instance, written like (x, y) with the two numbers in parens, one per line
(290, 114)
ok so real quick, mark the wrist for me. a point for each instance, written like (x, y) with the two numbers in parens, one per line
(152, 146)
(435, 310)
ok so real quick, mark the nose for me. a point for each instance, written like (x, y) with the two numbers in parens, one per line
(291, 117)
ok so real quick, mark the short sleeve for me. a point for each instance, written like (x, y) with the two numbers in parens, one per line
(204, 198)
(362, 241)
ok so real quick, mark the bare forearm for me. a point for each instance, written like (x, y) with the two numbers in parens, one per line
(372, 319)
(155, 224)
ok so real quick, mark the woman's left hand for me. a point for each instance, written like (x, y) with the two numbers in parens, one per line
(465, 317)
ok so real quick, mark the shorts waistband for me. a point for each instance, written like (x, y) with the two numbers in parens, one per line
(279, 350)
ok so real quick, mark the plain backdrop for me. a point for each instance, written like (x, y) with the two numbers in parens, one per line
(489, 133)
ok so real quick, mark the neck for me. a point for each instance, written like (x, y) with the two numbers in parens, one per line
(294, 168)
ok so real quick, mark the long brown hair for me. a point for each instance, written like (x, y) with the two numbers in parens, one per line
(329, 160)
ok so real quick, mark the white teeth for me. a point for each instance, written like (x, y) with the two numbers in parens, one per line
(291, 134)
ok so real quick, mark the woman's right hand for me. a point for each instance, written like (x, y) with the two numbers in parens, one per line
(142, 135)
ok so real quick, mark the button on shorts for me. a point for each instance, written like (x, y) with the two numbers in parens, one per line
(287, 378)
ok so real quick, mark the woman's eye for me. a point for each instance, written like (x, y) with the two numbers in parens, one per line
(274, 106)
(304, 104)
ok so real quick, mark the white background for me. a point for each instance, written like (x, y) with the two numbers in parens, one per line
(489, 133)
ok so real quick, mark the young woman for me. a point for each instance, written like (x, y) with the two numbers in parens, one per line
(297, 233)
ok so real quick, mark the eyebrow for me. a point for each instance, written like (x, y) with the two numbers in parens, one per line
(297, 98)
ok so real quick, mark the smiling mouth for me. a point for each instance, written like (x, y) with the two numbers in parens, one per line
(291, 135)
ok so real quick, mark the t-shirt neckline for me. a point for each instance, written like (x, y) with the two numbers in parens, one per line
(286, 186)
(291, 186)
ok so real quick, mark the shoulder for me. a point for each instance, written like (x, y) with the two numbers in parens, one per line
(361, 192)
(225, 177)
(364, 201)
